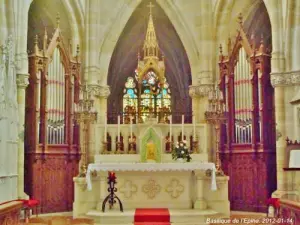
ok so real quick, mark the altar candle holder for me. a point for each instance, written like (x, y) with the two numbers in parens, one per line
(111, 197)
(104, 151)
(170, 145)
(119, 149)
(195, 148)
(131, 146)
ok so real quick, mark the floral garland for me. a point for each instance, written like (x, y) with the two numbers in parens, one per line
(181, 151)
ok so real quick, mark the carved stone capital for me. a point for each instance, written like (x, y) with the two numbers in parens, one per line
(201, 90)
(285, 78)
(99, 91)
(22, 80)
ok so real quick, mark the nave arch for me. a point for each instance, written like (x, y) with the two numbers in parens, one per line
(115, 30)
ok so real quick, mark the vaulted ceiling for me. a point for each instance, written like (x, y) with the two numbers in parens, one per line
(124, 58)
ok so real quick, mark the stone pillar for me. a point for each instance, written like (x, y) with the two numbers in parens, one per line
(100, 95)
(200, 202)
(21, 19)
(22, 82)
(281, 82)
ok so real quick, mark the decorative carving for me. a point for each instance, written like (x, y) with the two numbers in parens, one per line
(54, 172)
(128, 189)
(201, 90)
(285, 78)
(151, 189)
(22, 80)
(250, 173)
(98, 90)
(174, 188)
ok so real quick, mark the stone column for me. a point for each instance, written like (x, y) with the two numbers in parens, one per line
(22, 82)
(282, 81)
(200, 202)
(100, 94)
(21, 19)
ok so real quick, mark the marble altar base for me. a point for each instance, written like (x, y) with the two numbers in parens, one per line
(182, 192)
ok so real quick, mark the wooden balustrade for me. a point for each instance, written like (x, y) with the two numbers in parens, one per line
(289, 211)
(10, 213)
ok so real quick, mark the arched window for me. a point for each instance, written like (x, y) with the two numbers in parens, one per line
(147, 98)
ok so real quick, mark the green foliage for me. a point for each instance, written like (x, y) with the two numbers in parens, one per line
(181, 151)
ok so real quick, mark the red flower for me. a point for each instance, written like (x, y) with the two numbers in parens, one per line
(275, 202)
(111, 176)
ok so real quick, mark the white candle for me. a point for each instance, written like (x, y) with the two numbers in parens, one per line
(182, 129)
(105, 128)
(170, 127)
(194, 128)
(131, 118)
(119, 128)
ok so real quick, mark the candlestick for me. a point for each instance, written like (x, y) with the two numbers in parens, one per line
(194, 128)
(182, 128)
(105, 128)
(118, 128)
(170, 127)
(131, 137)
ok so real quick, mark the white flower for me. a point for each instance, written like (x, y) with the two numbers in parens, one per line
(177, 146)
(182, 152)
(177, 143)
(185, 147)
(184, 141)
(181, 144)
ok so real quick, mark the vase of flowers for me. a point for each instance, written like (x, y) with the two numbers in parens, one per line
(181, 152)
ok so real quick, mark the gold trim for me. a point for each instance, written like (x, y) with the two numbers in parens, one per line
(174, 188)
(151, 189)
(128, 184)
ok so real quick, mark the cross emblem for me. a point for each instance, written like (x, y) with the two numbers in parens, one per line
(128, 189)
(151, 189)
(174, 188)
(150, 7)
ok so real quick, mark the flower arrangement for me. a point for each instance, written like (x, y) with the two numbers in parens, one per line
(273, 202)
(181, 151)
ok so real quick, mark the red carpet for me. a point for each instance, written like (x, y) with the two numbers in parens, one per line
(152, 217)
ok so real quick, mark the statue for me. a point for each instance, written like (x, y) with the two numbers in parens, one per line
(151, 152)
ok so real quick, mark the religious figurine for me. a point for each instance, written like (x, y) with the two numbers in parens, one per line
(151, 152)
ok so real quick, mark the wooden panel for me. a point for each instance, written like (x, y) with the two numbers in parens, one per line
(50, 180)
(289, 211)
(252, 179)
(10, 213)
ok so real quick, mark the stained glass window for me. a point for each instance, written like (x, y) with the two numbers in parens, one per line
(153, 98)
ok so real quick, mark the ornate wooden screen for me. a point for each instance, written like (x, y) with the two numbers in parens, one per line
(248, 137)
(51, 132)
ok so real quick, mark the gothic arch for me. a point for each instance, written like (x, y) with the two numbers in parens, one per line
(111, 38)
(74, 19)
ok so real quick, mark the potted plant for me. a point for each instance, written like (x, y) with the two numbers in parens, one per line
(181, 152)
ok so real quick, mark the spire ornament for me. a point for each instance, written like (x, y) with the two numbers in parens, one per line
(57, 20)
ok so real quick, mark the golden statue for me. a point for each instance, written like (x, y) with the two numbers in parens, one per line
(151, 151)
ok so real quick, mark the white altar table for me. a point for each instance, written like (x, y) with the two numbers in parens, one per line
(151, 167)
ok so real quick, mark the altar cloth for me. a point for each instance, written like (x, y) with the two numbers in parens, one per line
(154, 167)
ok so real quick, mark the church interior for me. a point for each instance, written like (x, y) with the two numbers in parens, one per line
(182, 112)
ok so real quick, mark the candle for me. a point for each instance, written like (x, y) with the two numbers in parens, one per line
(131, 118)
(170, 127)
(105, 128)
(194, 128)
(182, 128)
(118, 128)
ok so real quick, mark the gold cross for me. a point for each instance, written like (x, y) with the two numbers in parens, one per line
(150, 6)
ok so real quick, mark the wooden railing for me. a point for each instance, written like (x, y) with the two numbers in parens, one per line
(289, 212)
(10, 213)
